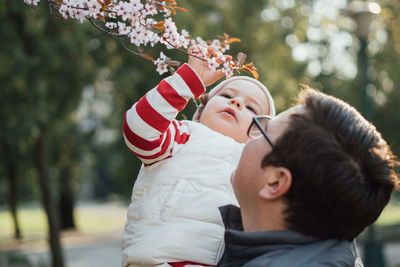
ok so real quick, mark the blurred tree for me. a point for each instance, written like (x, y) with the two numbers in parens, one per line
(16, 128)
(11, 169)
(323, 39)
(67, 149)
(48, 62)
(385, 73)
(130, 77)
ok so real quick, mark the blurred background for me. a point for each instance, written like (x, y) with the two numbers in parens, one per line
(65, 173)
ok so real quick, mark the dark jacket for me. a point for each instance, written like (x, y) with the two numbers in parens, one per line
(281, 248)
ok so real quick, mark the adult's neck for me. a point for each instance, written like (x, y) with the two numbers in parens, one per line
(263, 217)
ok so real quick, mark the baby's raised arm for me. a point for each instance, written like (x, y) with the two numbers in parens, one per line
(151, 131)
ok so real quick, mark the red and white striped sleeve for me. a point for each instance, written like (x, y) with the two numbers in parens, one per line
(151, 131)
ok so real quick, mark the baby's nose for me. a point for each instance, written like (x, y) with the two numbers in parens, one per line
(236, 103)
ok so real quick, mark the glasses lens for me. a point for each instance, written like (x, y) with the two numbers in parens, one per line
(255, 130)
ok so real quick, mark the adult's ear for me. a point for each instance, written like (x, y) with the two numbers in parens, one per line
(277, 183)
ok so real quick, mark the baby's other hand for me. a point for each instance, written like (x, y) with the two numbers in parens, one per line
(207, 75)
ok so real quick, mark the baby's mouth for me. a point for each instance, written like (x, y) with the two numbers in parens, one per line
(231, 112)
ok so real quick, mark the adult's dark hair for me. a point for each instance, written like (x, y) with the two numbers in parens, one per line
(342, 170)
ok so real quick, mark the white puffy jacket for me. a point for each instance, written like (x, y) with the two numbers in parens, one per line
(174, 212)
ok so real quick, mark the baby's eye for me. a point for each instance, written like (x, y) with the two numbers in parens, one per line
(226, 95)
(252, 109)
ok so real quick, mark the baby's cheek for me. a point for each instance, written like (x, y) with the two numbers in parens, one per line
(248, 119)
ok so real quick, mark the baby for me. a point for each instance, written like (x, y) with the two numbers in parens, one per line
(173, 218)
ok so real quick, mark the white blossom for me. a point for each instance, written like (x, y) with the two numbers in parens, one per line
(225, 48)
(201, 41)
(161, 63)
(150, 10)
(226, 69)
(135, 19)
(154, 39)
(94, 8)
(212, 63)
(111, 25)
(216, 43)
(123, 29)
(184, 38)
(32, 2)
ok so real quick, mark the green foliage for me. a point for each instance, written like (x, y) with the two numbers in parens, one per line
(46, 62)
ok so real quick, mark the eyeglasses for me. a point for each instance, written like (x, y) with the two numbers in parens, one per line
(258, 127)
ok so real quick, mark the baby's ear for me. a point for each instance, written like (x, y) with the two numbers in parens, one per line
(203, 102)
(204, 99)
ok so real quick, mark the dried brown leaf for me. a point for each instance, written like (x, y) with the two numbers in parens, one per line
(180, 8)
(233, 40)
(241, 57)
(147, 56)
(173, 63)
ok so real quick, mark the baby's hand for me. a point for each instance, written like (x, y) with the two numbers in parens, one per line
(201, 66)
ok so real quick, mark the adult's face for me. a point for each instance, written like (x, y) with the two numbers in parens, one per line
(249, 176)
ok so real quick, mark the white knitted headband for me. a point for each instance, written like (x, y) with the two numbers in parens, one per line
(243, 78)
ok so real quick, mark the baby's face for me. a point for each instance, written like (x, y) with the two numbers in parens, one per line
(232, 109)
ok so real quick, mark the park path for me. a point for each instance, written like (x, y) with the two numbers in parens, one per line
(104, 249)
(80, 249)
(106, 252)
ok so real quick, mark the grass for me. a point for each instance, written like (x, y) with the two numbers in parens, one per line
(33, 221)
(89, 220)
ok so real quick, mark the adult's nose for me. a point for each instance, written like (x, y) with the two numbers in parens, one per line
(236, 102)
